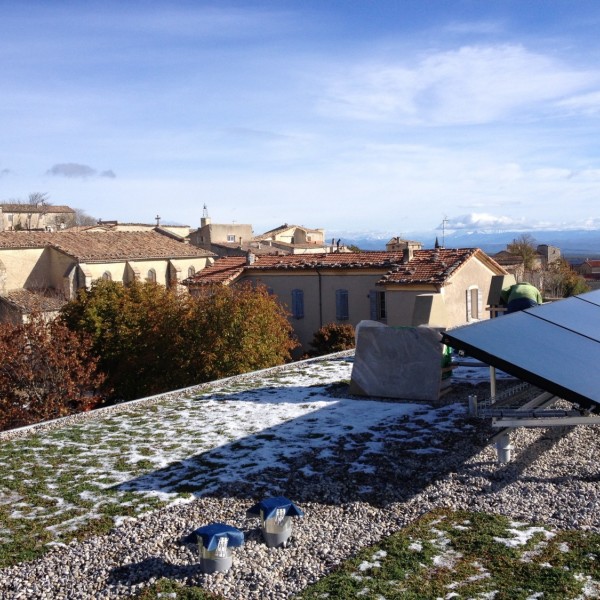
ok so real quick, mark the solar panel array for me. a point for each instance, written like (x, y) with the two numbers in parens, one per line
(555, 346)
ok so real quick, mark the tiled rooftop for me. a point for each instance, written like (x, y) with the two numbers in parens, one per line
(223, 271)
(426, 266)
(433, 266)
(89, 246)
(27, 301)
(32, 208)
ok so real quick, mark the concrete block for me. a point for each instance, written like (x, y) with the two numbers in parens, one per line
(397, 362)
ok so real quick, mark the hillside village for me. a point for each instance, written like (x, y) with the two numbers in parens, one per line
(45, 260)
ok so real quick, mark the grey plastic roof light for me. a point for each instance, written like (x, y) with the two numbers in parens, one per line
(276, 519)
(215, 542)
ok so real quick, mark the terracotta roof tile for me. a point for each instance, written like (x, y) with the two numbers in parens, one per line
(90, 246)
(222, 271)
(430, 266)
(332, 260)
(426, 266)
(32, 208)
(26, 301)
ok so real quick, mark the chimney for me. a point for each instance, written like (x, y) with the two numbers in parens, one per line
(250, 258)
(407, 255)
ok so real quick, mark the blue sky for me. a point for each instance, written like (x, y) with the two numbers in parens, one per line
(352, 116)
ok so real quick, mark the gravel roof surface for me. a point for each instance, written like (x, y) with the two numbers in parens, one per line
(359, 468)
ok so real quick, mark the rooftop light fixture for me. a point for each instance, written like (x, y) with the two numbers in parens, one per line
(276, 519)
(215, 542)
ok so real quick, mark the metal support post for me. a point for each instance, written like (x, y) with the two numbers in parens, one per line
(472, 405)
(504, 448)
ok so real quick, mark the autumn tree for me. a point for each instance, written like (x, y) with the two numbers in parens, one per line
(561, 281)
(333, 337)
(238, 329)
(46, 371)
(79, 218)
(136, 334)
(150, 339)
(525, 247)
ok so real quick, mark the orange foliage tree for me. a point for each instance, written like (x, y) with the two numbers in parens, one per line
(46, 371)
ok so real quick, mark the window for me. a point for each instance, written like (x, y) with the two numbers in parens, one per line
(378, 311)
(341, 305)
(151, 278)
(107, 276)
(298, 304)
(191, 271)
(231, 237)
(474, 304)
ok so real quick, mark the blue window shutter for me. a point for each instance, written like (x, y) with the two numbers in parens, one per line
(373, 302)
(298, 304)
(341, 305)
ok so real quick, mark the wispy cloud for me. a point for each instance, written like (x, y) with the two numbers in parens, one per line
(4, 172)
(470, 85)
(587, 104)
(77, 171)
(475, 27)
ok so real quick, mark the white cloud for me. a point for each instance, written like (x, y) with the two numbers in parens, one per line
(470, 85)
(486, 221)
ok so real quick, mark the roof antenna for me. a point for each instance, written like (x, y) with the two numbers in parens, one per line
(444, 221)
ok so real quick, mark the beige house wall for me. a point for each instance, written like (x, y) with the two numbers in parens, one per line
(59, 265)
(24, 267)
(116, 270)
(161, 268)
(320, 296)
(400, 303)
(181, 266)
(473, 275)
(165, 268)
(35, 220)
(218, 233)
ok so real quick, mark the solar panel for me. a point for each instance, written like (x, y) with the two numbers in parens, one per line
(573, 314)
(554, 346)
(593, 297)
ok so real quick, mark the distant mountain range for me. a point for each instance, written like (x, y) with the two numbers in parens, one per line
(580, 243)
